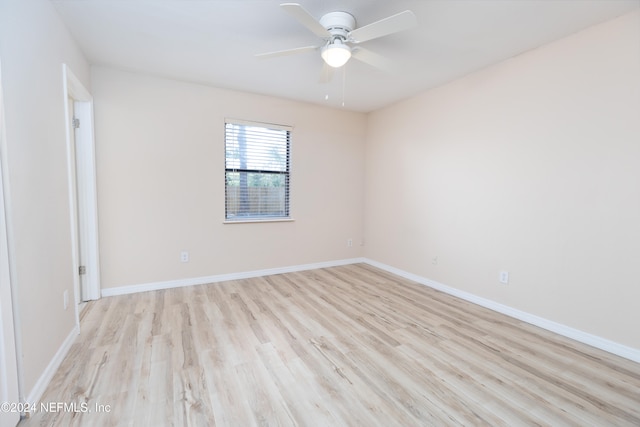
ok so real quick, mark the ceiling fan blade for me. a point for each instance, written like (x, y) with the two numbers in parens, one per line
(373, 59)
(286, 52)
(306, 19)
(326, 74)
(393, 24)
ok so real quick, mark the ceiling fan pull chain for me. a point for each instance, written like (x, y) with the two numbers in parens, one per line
(344, 82)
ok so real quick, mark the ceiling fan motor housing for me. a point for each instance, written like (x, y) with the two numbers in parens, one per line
(339, 24)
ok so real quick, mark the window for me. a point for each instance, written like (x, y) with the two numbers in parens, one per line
(256, 171)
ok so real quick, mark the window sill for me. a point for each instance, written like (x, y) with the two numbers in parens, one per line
(257, 220)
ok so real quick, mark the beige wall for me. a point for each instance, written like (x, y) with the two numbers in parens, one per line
(33, 46)
(160, 162)
(530, 166)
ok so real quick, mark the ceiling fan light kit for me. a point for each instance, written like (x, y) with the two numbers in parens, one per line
(336, 54)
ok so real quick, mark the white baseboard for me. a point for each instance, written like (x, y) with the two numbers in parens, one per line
(560, 329)
(123, 290)
(41, 385)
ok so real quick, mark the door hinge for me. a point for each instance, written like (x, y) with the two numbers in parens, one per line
(75, 122)
(83, 269)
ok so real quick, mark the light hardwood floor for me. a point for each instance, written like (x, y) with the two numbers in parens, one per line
(342, 346)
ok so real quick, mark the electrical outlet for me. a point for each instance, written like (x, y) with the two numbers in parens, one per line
(434, 260)
(65, 299)
(504, 277)
(349, 243)
(184, 256)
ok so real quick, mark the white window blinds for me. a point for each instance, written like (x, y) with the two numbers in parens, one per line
(257, 165)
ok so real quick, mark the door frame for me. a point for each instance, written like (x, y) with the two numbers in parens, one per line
(83, 200)
(9, 364)
(9, 388)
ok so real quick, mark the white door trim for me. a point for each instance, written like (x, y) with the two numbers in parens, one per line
(9, 382)
(83, 200)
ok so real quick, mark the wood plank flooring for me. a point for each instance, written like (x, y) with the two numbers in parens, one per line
(341, 346)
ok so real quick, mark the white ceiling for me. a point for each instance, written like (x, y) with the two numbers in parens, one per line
(214, 41)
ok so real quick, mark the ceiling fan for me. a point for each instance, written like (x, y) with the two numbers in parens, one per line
(341, 37)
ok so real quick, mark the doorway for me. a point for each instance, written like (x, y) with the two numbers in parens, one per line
(82, 188)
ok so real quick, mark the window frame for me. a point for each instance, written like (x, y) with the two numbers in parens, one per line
(286, 173)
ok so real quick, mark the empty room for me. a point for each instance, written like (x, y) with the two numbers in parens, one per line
(320, 213)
